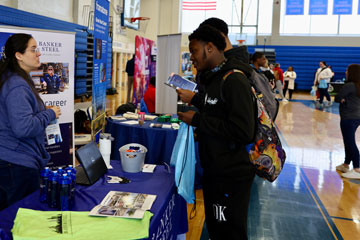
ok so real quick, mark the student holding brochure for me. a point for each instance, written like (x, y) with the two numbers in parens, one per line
(224, 125)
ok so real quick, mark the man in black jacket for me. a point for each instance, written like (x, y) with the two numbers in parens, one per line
(225, 124)
(239, 53)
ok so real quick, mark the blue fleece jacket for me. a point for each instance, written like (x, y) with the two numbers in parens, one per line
(22, 124)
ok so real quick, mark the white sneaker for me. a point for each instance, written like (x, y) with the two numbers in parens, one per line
(351, 175)
(342, 168)
(284, 100)
(328, 104)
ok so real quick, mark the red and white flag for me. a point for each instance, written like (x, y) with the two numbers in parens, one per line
(198, 5)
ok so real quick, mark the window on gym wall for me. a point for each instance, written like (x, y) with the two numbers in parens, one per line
(319, 17)
(196, 11)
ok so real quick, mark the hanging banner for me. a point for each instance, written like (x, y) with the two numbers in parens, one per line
(294, 7)
(342, 7)
(145, 66)
(359, 8)
(318, 7)
(101, 33)
(54, 80)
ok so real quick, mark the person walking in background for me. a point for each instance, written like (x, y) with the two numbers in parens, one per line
(224, 125)
(322, 78)
(349, 99)
(24, 118)
(289, 81)
(279, 81)
(130, 66)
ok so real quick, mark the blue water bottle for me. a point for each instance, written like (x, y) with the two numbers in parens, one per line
(64, 192)
(44, 184)
(72, 176)
(59, 173)
(52, 190)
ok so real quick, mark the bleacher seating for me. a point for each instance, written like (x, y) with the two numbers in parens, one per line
(305, 60)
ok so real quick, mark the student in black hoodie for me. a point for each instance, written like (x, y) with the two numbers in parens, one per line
(225, 124)
(239, 53)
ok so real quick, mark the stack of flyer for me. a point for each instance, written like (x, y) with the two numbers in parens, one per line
(124, 204)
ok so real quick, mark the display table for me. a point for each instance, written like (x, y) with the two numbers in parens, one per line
(336, 86)
(169, 209)
(158, 141)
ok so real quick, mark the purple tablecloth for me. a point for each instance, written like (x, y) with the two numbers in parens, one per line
(158, 141)
(169, 209)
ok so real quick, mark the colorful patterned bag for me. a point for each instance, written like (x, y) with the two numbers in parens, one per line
(266, 153)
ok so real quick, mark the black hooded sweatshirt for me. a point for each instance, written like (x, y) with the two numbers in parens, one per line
(226, 124)
(241, 53)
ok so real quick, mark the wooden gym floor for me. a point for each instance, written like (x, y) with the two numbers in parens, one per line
(309, 200)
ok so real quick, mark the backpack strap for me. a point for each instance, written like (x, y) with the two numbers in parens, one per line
(224, 78)
(254, 96)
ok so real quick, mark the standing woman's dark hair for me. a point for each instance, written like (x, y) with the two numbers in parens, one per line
(16, 43)
(353, 71)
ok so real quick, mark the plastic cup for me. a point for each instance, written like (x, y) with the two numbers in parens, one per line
(141, 117)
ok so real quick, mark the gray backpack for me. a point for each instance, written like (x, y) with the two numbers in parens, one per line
(264, 92)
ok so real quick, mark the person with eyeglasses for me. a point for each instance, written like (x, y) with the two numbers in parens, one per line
(23, 120)
(51, 80)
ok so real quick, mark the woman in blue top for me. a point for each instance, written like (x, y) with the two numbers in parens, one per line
(349, 98)
(23, 120)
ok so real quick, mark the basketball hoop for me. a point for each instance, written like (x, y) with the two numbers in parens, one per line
(143, 22)
(241, 42)
(138, 19)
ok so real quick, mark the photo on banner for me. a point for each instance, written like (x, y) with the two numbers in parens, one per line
(101, 34)
(144, 67)
(51, 78)
(54, 80)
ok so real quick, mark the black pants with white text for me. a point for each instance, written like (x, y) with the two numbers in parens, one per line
(226, 208)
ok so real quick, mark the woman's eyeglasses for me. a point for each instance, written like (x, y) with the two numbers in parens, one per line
(34, 50)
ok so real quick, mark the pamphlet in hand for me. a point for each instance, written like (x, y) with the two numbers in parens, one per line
(124, 204)
(176, 81)
(53, 133)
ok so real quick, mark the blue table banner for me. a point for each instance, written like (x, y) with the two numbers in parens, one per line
(318, 7)
(342, 7)
(294, 7)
